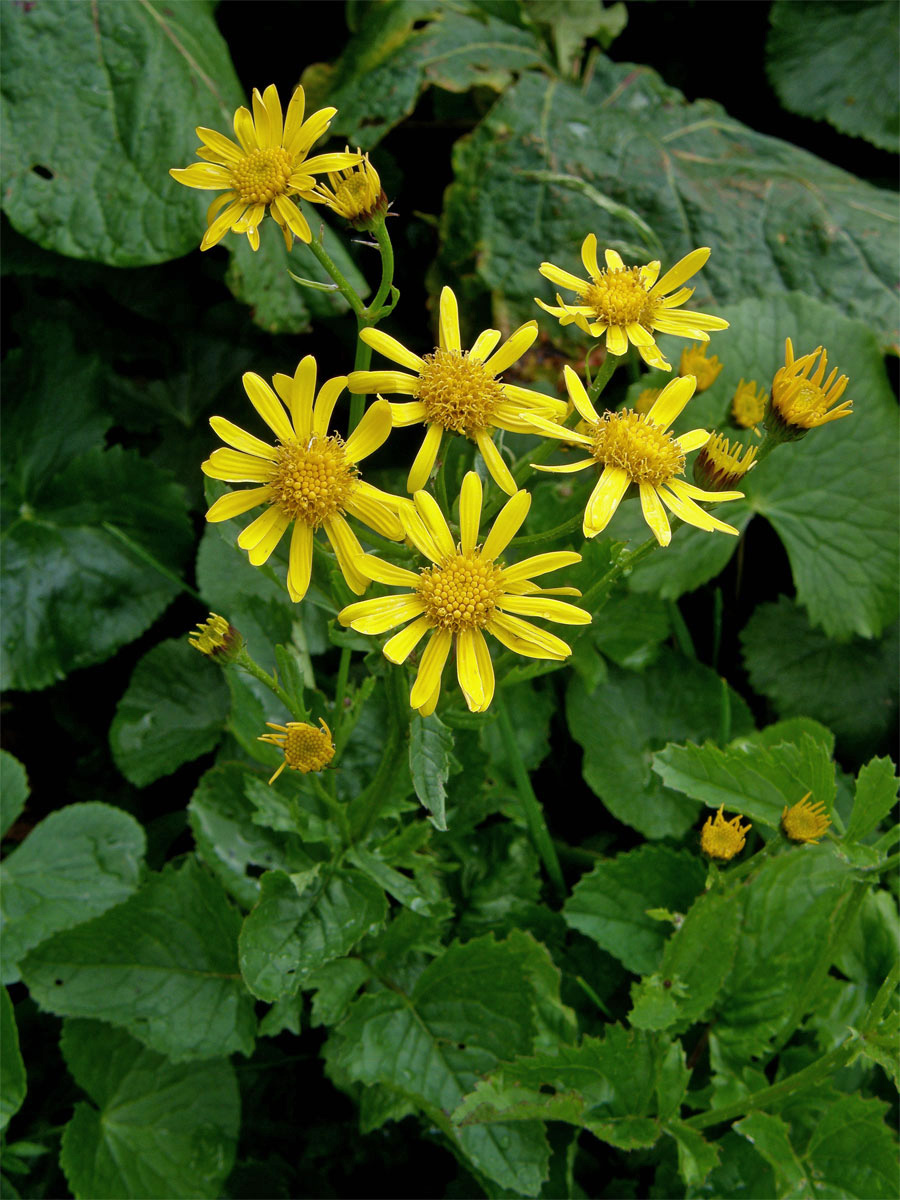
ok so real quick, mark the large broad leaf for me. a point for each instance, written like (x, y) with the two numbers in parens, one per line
(92, 180)
(610, 903)
(163, 965)
(76, 864)
(469, 1010)
(673, 700)
(430, 759)
(173, 712)
(626, 157)
(13, 790)
(158, 1129)
(831, 497)
(13, 1083)
(404, 46)
(303, 921)
(838, 62)
(849, 686)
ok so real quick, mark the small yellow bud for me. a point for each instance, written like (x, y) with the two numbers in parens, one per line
(218, 639)
(305, 747)
(723, 839)
(805, 822)
(694, 362)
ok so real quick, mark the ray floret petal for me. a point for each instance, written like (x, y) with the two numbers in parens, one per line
(310, 478)
(457, 391)
(464, 592)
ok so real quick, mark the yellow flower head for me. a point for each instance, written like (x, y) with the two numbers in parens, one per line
(217, 638)
(805, 822)
(305, 747)
(629, 304)
(457, 390)
(355, 194)
(800, 400)
(646, 399)
(719, 465)
(309, 478)
(264, 170)
(749, 405)
(637, 448)
(723, 839)
(694, 362)
(465, 593)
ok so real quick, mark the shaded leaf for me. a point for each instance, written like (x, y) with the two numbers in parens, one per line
(13, 790)
(13, 1082)
(430, 758)
(876, 795)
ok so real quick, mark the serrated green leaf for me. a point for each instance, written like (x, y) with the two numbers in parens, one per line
(871, 945)
(672, 700)
(430, 751)
(13, 1082)
(468, 1010)
(294, 809)
(838, 62)
(696, 962)
(159, 1129)
(876, 795)
(853, 1153)
(163, 965)
(498, 882)
(335, 986)
(301, 922)
(74, 865)
(697, 177)
(696, 1157)
(770, 1137)
(172, 712)
(610, 903)
(13, 790)
(849, 686)
(229, 841)
(757, 783)
(403, 889)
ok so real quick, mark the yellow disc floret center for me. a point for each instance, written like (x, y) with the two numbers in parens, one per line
(307, 749)
(645, 452)
(458, 393)
(313, 480)
(461, 593)
(262, 175)
(355, 194)
(619, 297)
(805, 407)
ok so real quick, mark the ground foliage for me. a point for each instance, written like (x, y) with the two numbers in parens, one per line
(208, 992)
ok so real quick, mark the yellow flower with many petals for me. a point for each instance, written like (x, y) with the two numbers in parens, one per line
(264, 170)
(467, 592)
(719, 465)
(748, 406)
(305, 747)
(630, 304)
(694, 362)
(457, 390)
(801, 401)
(310, 478)
(723, 839)
(355, 194)
(805, 822)
(638, 448)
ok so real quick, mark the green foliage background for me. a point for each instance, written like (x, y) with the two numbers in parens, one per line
(205, 995)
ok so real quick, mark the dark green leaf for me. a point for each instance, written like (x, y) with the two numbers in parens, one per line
(159, 1129)
(430, 756)
(876, 795)
(696, 1157)
(74, 865)
(853, 1151)
(13, 790)
(771, 1138)
(172, 712)
(163, 965)
(838, 62)
(13, 1082)
(610, 903)
(673, 700)
(301, 922)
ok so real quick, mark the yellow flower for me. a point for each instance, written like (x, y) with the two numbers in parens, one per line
(694, 362)
(266, 168)
(805, 822)
(355, 194)
(645, 401)
(466, 593)
(749, 405)
(629, 304)
(801, 402)
(310, 477)
(457, 390)
(217, 638)
(636, 448)
(719, 465)
(723, 839)
(305, 747)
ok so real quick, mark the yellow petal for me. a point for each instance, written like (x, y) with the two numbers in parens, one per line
(380, 615)
(261, 552)
(430, 512)
(425, 459)
(236, 467)
(245, 130)
(562, 278)
(512, 349)
(293, 218)
(693, 514)
(543, 606)
(604, 500)
(273, 108)
(567, 468)
(468, 670)
(367, 505)
(449, 322)
(361, 383)
(398, 648)
(426, 709)
(579, 397)
(223, 147)
(655, 514)
(268, 406)
(470, 498)
(347, 550)
(430, 668)
(370, 433)
(589, 256)
(616, 341)
(261, 121)
(294, 118)
(540, 564)
(671, 401)
(240, 439)
(205, 176)
(484, 344)
(418, 534)
(325, 402)
(233, 504)
(495, 462)
(331, 162)
(526, 639)
(683, 269)
(485, 667)
(381, 571)
(506, 525)
(692, 440)
(300, 396)
(411, 413)
(392, 349)
(300, 561)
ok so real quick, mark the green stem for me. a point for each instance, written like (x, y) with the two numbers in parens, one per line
(531, 540)
(603, 376)
(365, 808)
(334, 806)
(252, 668)
(343, 286)
(373, 312)
(361, 362)
(625, 563)
(534, 816)
(145, 556)
(340, 688)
